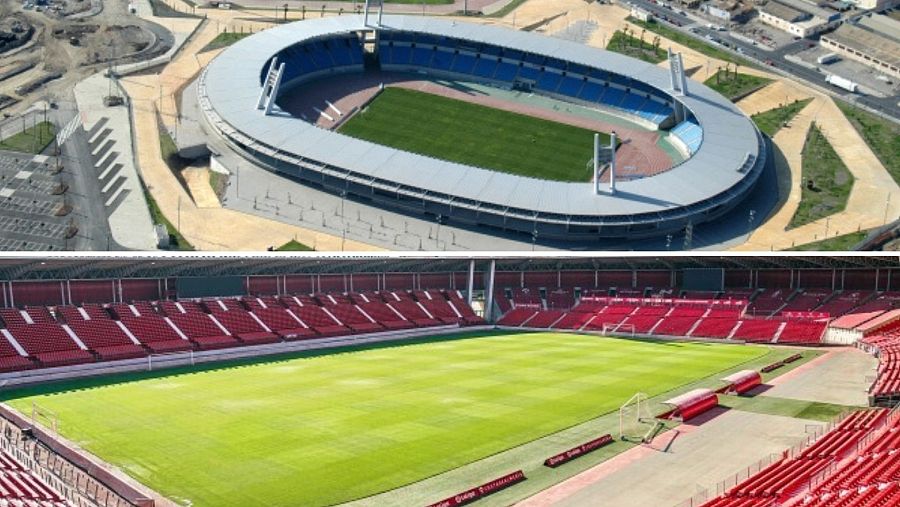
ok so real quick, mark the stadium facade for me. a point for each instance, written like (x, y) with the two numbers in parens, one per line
(238, 92)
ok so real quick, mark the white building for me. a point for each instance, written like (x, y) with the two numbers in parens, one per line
(798, 18)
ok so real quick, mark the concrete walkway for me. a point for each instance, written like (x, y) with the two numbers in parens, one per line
(694, 457)
(108, 133)
(837, 377)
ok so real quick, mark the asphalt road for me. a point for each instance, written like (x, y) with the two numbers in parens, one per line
(889, 106)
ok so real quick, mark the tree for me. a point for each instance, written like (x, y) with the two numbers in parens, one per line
(303, 12)
(323, 10)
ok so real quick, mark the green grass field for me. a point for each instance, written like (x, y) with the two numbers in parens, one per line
(33, 139)
(830, 176)
(329, 428)
(472, 134)
(735, 87)
(771, 121)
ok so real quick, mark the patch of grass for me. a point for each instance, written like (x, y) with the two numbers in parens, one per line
(169, 150)
(515, 4)
(293, 246)
(225, 39)
(636, 48)
(33, 139)
(476, 135)
(785, 407)
(176, 240)
(771, 121)
(218, 182)
(830, 179)
(363, 421)
(881, 135)
(163, 10)
(735, 85)
(691, 42)
(836, 244)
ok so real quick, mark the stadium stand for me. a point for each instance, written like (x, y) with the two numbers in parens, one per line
(757, 330)
(517, 317)
(313, 58)
(19, 487)
(803, 332)
(844, 302)
(851, 437)
(46, 342)
(106, 338)
(283, 322)
(402, 50)
(156, 333)
(689, 133)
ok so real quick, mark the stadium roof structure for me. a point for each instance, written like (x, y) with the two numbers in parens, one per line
(723, 168)
(103, 266)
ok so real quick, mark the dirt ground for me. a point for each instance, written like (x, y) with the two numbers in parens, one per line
(75, 47)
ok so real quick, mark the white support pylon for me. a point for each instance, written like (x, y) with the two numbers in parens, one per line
(263, 94)
(270, 103)
(612, 163)
(596, 163)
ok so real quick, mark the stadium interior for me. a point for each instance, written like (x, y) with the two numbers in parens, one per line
(70, 318)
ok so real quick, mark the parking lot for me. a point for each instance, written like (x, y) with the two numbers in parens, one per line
(871, 81)
(31, 216)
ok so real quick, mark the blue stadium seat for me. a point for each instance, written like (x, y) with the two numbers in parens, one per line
(402, 55)
(690, 134)
(421, 56)
(549, 81)
(442, 60)
(506, 72)
(613, 97)
(591, 92)
(632, 103)
(529, 73)
(464, 64)
(485, 67)
(570, 86)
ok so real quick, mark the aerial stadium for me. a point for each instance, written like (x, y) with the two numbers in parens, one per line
(589, 144)
(441, 381)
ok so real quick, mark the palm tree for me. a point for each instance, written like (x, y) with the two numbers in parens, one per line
(323, 10)
(303, 12)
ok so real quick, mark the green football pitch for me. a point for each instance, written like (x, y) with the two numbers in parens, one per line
(473, 134)
(331, 427)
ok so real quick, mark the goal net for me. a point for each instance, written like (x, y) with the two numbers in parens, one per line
(44, 417)
(621, 329)
(635, 420)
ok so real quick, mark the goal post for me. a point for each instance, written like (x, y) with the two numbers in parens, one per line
(41, 416)
(635, 419)
(619, 329)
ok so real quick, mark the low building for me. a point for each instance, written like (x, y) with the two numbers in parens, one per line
(728, 10)
(641, 14)
(798, 18)
(875, 5)
(873, 40)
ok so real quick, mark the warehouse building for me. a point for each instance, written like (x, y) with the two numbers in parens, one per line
(873, 40)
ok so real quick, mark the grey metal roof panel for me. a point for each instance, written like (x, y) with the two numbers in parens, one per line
(233, 86)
